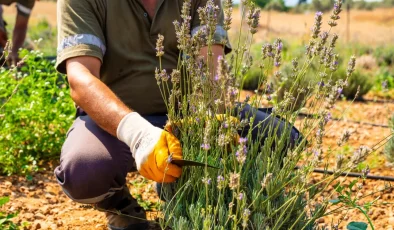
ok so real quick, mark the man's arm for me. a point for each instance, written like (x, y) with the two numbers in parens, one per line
(92, 95)
(19, 35)
(217, 51)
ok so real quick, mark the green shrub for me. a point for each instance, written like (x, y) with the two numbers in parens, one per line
(322, 5)
(303, 86)
(35, 113)
(389, 148)
(361, 79)
(43, 31)
(385, 55)
(252, 79)
(384, 80)
(5, 217)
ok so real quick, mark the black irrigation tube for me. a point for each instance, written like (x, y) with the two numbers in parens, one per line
(351, 174)
(380, 101)
(338, 119)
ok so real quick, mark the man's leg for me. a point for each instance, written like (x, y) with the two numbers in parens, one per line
(269, 125)
(3, 32)
(93, 168)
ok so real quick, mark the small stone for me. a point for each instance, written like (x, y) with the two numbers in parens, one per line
(391, 220)
(48, 196)
(39, 216)
(28, 216)
(23, 189)
(99, 226)
(45, 210)
(40, 182)
(8, 184)
(36, 225)
(59, 223)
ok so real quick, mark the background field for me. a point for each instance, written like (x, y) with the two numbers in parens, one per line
(42, 203)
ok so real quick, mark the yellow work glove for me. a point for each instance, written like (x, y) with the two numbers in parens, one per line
(152, 148)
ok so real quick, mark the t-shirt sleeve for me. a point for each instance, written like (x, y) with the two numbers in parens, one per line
(24, 7)
(80, 30)
(220, 34)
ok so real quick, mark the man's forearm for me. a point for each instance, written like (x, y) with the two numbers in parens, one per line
(212, 62)
(217, 51)
(19, 33)
(95, 98)
(17, 39)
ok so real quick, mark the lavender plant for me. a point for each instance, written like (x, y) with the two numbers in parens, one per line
(389, 148)
(257, 186)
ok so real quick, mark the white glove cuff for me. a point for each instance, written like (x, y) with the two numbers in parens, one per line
(139, 135)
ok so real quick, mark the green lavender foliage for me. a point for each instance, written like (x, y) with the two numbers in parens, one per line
(256, 186)
(389, 148)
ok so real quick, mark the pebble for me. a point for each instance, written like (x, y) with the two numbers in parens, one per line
(8, 184)
(39, 216)
(45, 210)
(391, 221)
(28, 216)
(36, 225)
(59, 223)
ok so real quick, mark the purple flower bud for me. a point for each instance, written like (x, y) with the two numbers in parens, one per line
(340, 91)
(243, 140)
(385, 85)
(205, 146)
(320, 83)
(328, 117)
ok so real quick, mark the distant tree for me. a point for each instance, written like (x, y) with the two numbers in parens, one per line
(302, 2)
(277, 5)
(262, 3)
(322, 5)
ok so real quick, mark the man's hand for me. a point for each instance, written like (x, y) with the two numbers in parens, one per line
(152, 148)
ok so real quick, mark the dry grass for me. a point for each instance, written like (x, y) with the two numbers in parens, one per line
(366, 27)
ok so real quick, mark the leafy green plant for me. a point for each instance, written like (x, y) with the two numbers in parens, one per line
(5, 218)
(35, 113)
(359, 84)
(385, 55)
(349, 200)
(46, 34)
(389, 148)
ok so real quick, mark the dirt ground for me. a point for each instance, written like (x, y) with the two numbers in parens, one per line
(43, 205)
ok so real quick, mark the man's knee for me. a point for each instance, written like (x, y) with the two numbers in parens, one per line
(86, 176)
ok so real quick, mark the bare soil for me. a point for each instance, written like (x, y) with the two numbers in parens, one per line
(43, 205)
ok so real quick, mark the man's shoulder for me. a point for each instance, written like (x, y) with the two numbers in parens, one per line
(84, 2)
